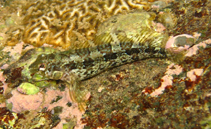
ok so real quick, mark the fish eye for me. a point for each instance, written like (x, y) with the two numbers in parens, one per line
(42, 67)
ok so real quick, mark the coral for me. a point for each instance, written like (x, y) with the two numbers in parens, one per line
(66, 23)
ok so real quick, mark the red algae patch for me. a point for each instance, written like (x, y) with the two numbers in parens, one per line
(194, 73)
(167, 80)
(21, 102)
(193, 50)
(51, 99)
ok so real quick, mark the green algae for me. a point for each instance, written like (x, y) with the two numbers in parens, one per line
(28, 88)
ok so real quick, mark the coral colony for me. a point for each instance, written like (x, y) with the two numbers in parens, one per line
(62, 23)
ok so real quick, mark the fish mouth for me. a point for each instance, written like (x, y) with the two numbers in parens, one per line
(13, 75)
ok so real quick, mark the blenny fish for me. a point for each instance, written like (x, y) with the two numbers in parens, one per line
(121, 39)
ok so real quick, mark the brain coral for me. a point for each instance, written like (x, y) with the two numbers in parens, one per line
(67, 23)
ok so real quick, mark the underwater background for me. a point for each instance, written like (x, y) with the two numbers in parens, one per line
(168, 92)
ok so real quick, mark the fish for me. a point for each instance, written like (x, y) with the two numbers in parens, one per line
(115, 45)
